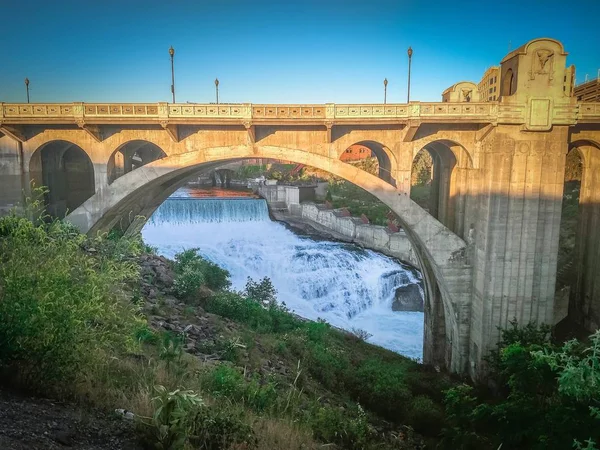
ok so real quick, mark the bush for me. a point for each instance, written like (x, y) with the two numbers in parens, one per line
(261, 312)
(535, 410)
(216, 429)
(61, 301)
(425, 415)
(226, 381)
(181, 420)
(192, 271)
(187, 282)
(348, 429)
(381, 387)
(262, 291)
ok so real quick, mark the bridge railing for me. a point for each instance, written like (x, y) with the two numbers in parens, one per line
(589, 111)
(491, 112)
(244, 111)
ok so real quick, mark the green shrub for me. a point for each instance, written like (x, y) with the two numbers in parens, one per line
(538, 408)
(187, 282)
(272, 318)
(217, 429)
(347, 428)
(61, 301)
(172, 423)
(192, 271)
(262, 291)
(381, 387)
(425, 415)
(226, 381)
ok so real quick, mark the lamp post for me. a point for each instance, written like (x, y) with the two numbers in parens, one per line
(410, 52)
(384, 91)
(172, 53)
(217, 89)
(27, 88)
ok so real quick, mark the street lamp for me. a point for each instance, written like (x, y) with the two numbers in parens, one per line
(384, 90)
(410, 52)
(217, 89)
(27, 88)
(172, 53)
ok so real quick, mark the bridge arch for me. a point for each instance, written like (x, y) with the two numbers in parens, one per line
(68, 173)
(131, 155)
(385, 158)
(440, 181)
(443, 254)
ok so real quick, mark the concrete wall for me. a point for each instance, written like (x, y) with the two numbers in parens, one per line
(374, 237)
(289, 197)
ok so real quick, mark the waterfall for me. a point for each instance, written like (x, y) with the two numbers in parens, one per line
(346, 285)
(196, 211)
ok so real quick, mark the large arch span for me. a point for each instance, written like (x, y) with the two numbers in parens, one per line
(442, 254)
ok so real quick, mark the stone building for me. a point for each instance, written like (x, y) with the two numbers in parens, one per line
(489, 86)
(464, 91)
(356, 153)
(588, 92)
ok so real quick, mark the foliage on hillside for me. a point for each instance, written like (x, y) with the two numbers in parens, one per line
(62, 305)
(75, 324)
(547, 396)
(73, 327)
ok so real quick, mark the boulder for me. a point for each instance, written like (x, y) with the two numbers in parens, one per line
(408, 298)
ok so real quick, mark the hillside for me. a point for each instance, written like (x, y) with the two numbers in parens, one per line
(105, 324)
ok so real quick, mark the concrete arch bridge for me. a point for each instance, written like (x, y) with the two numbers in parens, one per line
(489, 249)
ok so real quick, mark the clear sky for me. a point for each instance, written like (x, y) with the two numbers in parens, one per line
(274, 51)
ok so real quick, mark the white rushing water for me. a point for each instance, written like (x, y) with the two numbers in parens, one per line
(347, 286)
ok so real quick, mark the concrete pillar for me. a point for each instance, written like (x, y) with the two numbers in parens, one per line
(517, 228)
(11, 176)
(584, 305)
(119, 167)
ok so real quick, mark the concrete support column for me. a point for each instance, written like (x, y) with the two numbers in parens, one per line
(403, 152)
(517, 231)
(12, 179)
(459, 190)
(585, 297)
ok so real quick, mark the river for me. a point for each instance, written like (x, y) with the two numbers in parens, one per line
(343, 284)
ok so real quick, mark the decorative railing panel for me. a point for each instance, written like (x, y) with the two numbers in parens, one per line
(589, 111)
(492, 112)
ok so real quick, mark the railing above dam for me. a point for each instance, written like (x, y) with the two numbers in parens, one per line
(100, 113)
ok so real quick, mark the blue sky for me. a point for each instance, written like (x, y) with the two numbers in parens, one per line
(286, 51)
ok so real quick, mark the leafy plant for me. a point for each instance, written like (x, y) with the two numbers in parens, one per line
(361, 335)
(172, 423)
(61, 300)
(193, 271)
(545, 404)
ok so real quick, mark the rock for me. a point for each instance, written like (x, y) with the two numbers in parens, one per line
(408, 298)
(64, 437)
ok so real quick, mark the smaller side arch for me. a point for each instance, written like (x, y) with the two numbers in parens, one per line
(387, 164)
(130, 156)
(68, 173)
(440, 182)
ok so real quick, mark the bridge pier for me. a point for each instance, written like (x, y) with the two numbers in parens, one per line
(517, 221)
(584, 306)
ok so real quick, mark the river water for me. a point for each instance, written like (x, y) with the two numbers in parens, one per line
(343, 284)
